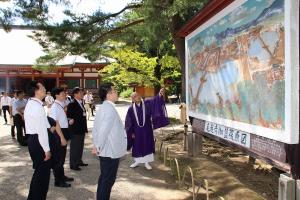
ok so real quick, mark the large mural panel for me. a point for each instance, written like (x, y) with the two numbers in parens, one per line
(237, 71)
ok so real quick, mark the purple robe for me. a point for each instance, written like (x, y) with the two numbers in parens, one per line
(143, 143)
(159, 112)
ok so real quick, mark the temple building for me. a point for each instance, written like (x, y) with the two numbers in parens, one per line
(19, 53)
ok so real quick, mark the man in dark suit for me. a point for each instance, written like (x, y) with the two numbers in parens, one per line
(77, 113)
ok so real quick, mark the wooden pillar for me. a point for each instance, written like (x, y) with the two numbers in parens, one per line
(57, 79)
(82, 78)
(99, 80)
(62, 76)
(7, 82)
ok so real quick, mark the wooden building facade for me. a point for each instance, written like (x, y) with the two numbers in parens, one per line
(18, 55)
(82, 75)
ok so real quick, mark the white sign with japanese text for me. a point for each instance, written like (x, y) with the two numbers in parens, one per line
(232, 135)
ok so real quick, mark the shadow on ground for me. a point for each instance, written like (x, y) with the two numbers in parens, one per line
(16, 171)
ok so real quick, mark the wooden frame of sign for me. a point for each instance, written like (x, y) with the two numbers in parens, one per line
(242, 77)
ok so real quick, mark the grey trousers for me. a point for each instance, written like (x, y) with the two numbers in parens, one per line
(76, 150)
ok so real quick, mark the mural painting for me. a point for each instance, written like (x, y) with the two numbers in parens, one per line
(236, 67)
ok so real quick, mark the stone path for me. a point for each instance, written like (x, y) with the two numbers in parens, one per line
(132, 184)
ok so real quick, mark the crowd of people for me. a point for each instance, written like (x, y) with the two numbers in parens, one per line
(48, 122)
(12, 109)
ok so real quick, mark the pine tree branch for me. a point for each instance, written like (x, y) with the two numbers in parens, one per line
(101, 19)
(119, 29)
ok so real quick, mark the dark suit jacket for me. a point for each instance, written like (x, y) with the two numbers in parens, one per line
(75, 112)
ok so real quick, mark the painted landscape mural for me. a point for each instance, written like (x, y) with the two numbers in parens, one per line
(236, 66)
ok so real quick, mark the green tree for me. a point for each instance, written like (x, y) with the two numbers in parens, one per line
(130, 67)
(171, 72)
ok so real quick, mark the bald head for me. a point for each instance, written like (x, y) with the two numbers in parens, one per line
(135, 97)
(133, 94)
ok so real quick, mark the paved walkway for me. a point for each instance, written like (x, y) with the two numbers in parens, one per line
(132, 184)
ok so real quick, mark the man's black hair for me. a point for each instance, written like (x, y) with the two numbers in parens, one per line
(56, 91)
(19, 92)
(76, 90)
(104, 89)
(31, 88)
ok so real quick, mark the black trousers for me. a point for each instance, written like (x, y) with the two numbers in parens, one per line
(20, 126)
(107, 178)
(76, 150)
(40, 180)
(58, 169)
(12, 130)
(92, 108)
(5, 108)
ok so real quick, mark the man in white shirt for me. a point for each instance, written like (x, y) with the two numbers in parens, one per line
(5, 103)
(109, 140)
(13, 100)
(1, 95)
(36, 124)
(88, 100)
(18, 115)
(57, 113)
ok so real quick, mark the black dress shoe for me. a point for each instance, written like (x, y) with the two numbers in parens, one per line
(68, 179)
(75, 168)
(62, 184)
(83, 164)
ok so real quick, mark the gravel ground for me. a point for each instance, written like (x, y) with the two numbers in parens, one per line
(134, 184)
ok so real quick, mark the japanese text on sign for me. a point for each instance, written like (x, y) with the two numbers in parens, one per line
(232, 135)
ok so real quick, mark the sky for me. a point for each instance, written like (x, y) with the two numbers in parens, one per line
(83, 7)
(89, 6)
(8, 52)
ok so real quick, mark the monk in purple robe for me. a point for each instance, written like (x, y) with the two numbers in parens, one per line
(142, 116)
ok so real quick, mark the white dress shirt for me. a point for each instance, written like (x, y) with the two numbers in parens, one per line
(5, 101)
(13, 100)
(109, 136)
(88, 98)
(18, 104)
(57, 112)
(68, 100)
(36, 122)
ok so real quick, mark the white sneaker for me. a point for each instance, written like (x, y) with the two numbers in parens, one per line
(148, 166)
(134, 165)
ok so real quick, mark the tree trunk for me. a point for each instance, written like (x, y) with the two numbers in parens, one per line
(179, 43)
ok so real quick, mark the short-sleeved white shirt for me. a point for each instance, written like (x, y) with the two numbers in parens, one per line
(57, 112)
